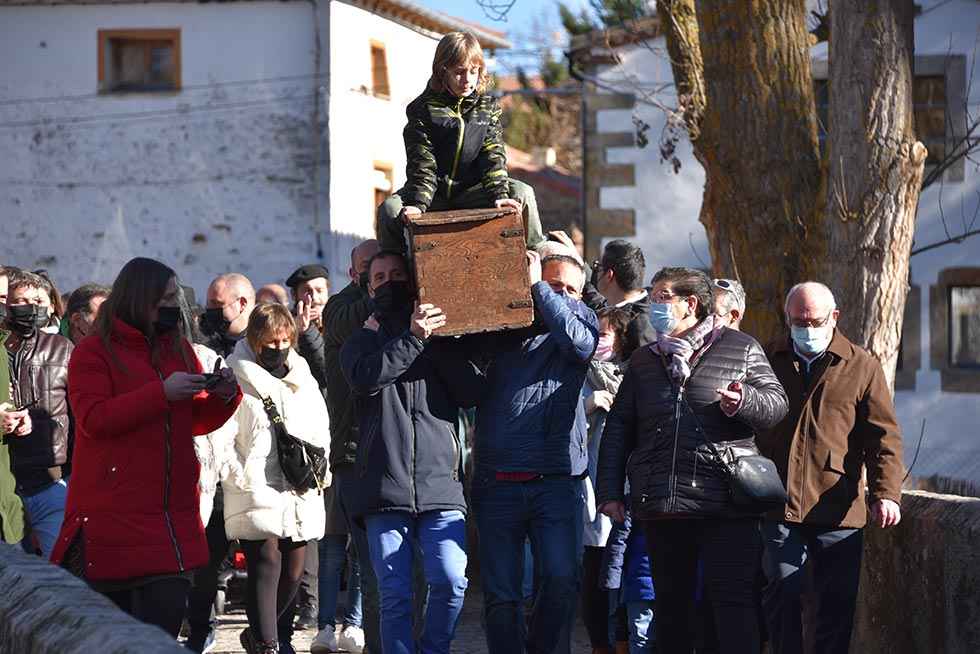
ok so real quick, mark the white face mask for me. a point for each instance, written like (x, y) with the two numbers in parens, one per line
(812, 340)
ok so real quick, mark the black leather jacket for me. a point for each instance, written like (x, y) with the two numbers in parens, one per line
(39, 375)
(656, 435)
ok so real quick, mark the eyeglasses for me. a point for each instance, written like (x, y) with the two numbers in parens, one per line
(813, 324)
(724, 284)
(664, 296)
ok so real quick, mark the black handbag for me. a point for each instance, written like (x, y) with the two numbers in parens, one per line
(303, 464)
(753, 479)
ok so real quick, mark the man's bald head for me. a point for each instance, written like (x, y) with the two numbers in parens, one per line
(814, 294)
(811, 305)
(272, 294)
(234, 294)
(360, 257)
(237, 284)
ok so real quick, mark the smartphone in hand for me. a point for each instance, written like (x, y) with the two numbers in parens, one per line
(212, 379)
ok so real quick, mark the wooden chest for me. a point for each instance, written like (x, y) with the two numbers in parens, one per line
(472, 264)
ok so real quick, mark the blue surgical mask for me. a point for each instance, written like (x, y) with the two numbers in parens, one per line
(662, 317)
(812, 340)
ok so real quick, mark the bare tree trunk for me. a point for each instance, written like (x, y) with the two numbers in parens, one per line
(756, 137)
(875, 170)
(680, 25)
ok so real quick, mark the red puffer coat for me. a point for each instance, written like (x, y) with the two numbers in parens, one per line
(133, 495)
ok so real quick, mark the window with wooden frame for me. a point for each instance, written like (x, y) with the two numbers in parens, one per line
(964, 327)
(384, 182)
(384, 185)
(139, 61)
(954, 328)
(938, 92)
(929, 110)
(379, 71)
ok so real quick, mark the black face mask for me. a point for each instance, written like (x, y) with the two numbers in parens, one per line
(363, 280)
(167, 320)
(25, 319)
(272, 358)
(394, 298)
(214, 323)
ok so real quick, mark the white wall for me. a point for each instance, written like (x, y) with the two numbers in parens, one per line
(365, 129)
(666, 204)
(82, 198)
(667, 207)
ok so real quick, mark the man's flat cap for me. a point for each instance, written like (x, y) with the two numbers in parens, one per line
(306, 273)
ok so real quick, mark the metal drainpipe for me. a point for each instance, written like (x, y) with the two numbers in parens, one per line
(321, 150)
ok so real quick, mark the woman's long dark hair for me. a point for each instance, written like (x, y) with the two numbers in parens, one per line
(138, 288)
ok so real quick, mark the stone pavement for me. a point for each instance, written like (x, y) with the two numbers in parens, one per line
(469, 634)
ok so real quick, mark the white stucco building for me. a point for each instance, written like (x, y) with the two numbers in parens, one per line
(245, 135)
(631, 193)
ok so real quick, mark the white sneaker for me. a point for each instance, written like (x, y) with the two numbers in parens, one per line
(325, 641)
(351, 640)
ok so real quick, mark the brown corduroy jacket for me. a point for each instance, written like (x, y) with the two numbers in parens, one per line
(839, 426)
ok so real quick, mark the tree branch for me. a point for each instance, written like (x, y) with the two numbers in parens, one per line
(680, 27)
(496, 9)
(948, 241)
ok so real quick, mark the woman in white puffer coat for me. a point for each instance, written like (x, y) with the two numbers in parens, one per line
(272, 519)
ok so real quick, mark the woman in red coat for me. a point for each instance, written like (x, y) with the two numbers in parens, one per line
(132, 525)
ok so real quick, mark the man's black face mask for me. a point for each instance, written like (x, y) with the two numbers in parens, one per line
(214, 323)
(394, 298)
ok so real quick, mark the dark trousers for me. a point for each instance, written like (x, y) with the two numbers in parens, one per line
(595, 600)
(549, 513)
(206, 579)
(161, 602)
(824, 562)
(307, 597)
(729, 551)
(391, 230)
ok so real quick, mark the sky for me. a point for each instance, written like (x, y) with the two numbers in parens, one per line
(519, 24)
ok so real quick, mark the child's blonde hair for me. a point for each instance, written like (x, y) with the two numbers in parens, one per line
(457, 49)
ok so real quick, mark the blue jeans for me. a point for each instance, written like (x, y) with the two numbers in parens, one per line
(441, 538)
(333, 555)
(835, 558)
(45, 510)
(639, 616)
(549, 512)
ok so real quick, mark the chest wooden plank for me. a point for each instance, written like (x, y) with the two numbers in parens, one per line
(472, 264)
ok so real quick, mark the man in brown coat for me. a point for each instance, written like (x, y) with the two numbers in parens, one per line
(839, 441)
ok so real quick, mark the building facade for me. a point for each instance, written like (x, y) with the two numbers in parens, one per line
(632, 192)
(248, 136)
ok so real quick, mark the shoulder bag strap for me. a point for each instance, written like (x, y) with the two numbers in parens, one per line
(681, 397)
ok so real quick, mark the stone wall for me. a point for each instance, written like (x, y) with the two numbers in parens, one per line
(920, 586)
(46, 610)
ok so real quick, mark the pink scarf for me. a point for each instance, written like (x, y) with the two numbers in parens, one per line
(685, 351)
